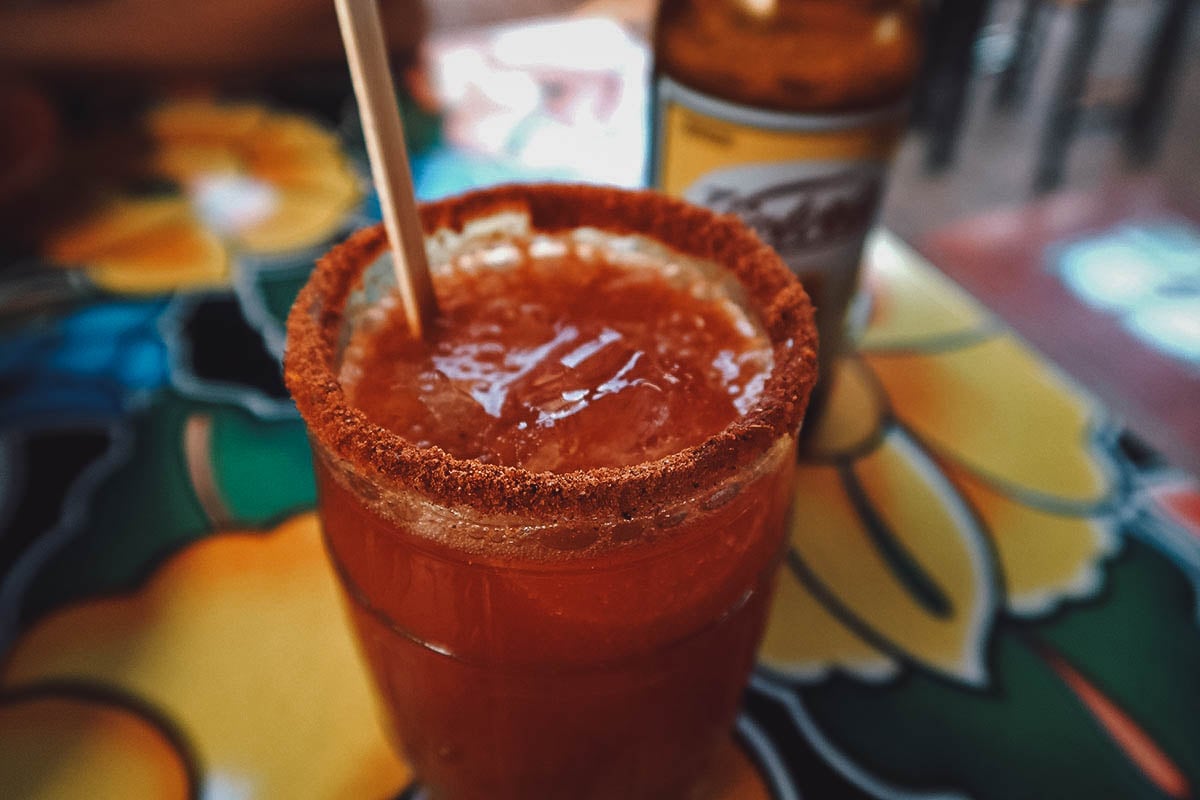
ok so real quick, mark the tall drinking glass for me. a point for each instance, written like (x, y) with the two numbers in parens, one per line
(585, 634)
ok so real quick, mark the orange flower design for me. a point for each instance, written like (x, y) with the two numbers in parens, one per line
(254, 182)
(240, 641)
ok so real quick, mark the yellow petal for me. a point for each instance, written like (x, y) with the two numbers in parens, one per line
(62, 747)
(804, 640)
(316, 186)
(998, 410)
(143, 246)
(288, 136)
(918, 577)
(187, 162)
(911, 303)
(175, 256)
(853, 417)
(300, 219)
(240, 639)
(1044, 557)
(323, 172)
(111, 226)
(202, 122)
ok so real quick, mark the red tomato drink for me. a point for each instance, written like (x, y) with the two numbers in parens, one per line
(556, 518)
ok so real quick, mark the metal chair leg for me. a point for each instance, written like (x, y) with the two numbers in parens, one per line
(1064, 113)
(1146, 117)
(950, 82)
(1013, 83)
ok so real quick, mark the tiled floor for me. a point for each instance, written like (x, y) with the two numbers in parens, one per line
(997, 153)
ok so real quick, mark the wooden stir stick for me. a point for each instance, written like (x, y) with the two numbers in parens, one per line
(366, 52)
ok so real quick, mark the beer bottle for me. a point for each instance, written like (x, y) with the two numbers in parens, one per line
(786, 112)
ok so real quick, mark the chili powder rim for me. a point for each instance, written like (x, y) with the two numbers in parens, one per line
(773, 292)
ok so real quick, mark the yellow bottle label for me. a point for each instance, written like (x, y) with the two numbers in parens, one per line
(810, 185)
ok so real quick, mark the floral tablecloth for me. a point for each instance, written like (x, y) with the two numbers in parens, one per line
(991, 589)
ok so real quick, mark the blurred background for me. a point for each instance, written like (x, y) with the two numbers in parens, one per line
(1016, 98)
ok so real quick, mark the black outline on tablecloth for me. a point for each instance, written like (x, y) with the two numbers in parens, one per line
(102, 694)
(994, 602)
(76, 505)
(171, 326)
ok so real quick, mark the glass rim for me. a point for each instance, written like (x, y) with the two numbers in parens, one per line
(774, 294)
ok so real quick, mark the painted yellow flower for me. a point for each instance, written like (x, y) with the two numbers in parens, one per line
(136, 246)
(253, 181)
(68, 744)
(956, 477)
(238, 643)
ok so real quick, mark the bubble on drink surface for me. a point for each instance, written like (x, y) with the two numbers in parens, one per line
(721, 497)
(668, 519)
